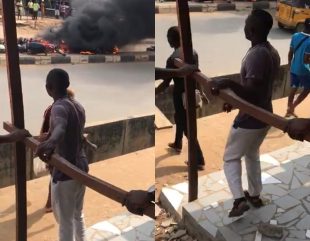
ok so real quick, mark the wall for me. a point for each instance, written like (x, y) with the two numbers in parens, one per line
(164, 100)
(112, 138)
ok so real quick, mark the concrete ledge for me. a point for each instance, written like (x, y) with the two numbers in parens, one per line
(128, 58)
(261, 5)
(96, 59)
(226, 6)
(170, 7)
(60, 60)
(26, 60)
(164, 101)
(120, 137)
(85, 59)
(114, 138)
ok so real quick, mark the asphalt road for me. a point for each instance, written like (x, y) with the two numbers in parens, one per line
(218, 38)
(107, 91)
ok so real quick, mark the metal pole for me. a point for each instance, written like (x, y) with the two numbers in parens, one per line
(17, 113)
(190, 85)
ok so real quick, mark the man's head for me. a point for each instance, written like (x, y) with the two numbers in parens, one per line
(258, 25)
(173, 36)
(57, 82)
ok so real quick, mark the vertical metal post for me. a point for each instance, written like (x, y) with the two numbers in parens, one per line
(17, 113)
(190, 84)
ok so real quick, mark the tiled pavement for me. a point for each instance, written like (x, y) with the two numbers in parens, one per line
(286, 189)
(125, 227)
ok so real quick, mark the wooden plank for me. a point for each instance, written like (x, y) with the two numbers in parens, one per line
(102, 187)
(17, 113)
(161, 121)
(230, 97)
(190, 84)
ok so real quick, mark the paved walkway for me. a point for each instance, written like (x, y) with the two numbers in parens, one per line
(286, 189)
(132, 171)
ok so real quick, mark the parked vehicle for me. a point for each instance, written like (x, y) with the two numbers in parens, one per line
(291, 14)
(36, 48)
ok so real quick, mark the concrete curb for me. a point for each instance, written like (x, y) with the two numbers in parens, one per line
(219, 6)
(85, 59)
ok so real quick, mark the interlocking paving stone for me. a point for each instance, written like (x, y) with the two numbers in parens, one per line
(282, 173)
(249, 237)
(274, 189)
(228, 234)
(303, 161)
(304, 223)
(268, 179)
(211, 215)
(302, 177)
(265, 213)
(307, 205)
(295, 183)
(218, 196)
(286, 202)
(300, 193)
(297, 234)
(290, 215)
(174, 197)
(308, 233)
(290, 208)
(212, 229)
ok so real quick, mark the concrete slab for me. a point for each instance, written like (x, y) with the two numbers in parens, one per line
(285, 207)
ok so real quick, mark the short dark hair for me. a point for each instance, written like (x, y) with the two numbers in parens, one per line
(263, 21)
(59, 78)
(174, 33)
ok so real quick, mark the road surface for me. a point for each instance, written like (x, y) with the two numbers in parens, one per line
(107, 91)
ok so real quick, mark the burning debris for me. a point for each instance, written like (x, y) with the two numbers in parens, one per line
(98, 26)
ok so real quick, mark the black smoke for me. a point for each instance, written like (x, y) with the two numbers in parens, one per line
(99, 25)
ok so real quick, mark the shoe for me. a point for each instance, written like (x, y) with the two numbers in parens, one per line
(239, 208)
(256, 201)
(173, 146)
(48, 210)
(200, 167)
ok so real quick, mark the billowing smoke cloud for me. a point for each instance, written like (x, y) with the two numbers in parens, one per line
(99, 25)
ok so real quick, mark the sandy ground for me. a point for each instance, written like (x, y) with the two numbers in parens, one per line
(212, 134)
(26, 28)
(132, 171)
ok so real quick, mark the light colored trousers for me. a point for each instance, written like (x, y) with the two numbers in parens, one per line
(244, 142)
(67, 204)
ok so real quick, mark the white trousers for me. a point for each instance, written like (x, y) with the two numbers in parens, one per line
(67, 204)
(244, 142)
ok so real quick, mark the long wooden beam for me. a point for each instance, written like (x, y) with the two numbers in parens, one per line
(190, 86)
(102, 187)
(17, 113)
(230, 97)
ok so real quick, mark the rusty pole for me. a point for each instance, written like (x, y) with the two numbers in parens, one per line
(17, 113)
(190, 85)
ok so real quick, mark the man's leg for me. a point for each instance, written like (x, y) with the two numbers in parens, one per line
(295, 82)
(305, 83)
(63, 204)
(79, 225)
(180, 119)
(252, 163)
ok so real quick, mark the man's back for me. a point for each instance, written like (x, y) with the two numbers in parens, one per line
(179, 82)
(70, 147)
(299, 43)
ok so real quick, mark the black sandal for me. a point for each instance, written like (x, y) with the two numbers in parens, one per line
(239, 208)
(256, 201)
